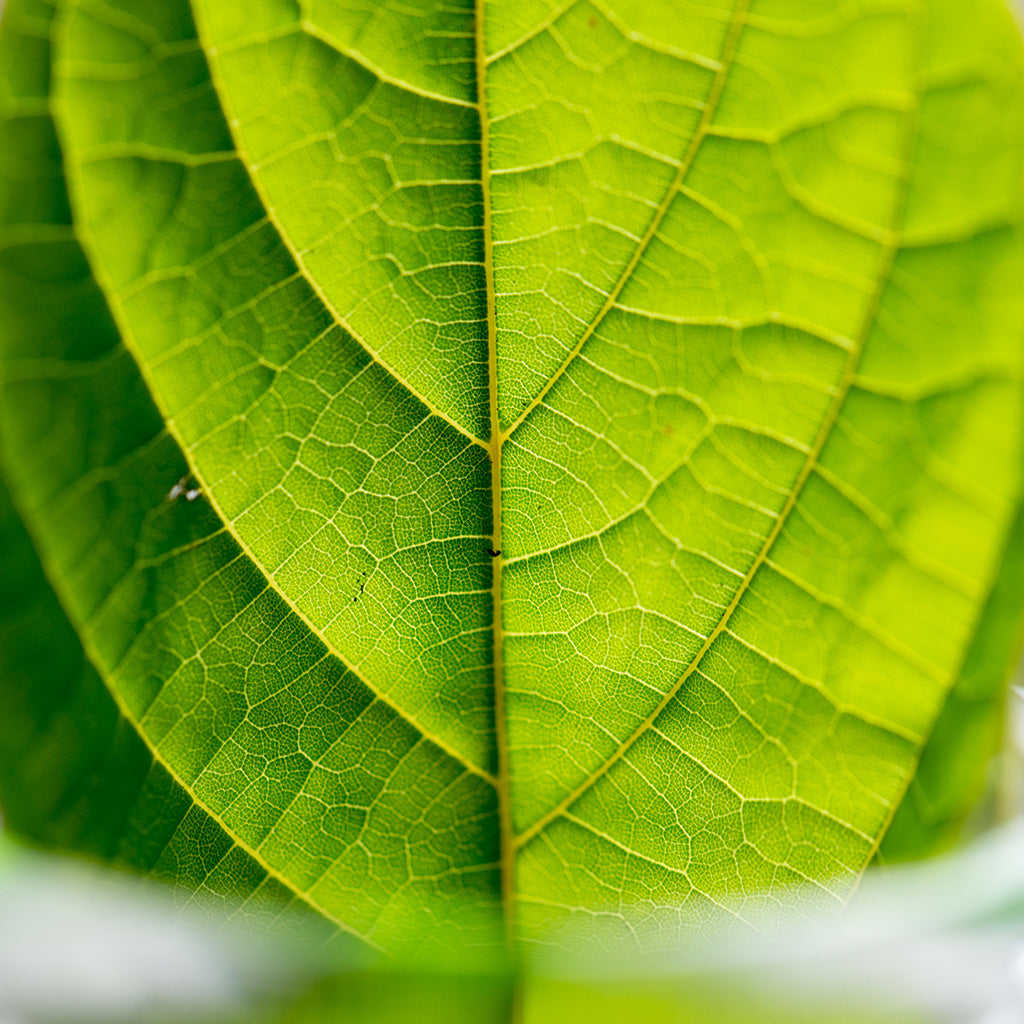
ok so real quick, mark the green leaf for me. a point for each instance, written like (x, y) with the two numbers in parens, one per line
(707, 321)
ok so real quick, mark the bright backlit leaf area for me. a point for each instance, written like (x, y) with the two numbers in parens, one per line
(539, 469)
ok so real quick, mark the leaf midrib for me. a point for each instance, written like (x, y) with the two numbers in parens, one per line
(494, 449)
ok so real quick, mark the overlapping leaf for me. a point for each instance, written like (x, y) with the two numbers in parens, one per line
(708, 320)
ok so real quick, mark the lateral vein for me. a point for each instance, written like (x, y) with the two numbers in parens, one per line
(714, 95)
(247, 162)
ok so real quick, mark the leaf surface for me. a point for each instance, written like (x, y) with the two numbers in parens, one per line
(709, 325)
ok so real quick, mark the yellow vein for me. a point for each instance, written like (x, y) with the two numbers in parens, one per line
(533, 33)
(685, 165)
(313, 30)
(249, 164)
(886, 263)
(507, 848)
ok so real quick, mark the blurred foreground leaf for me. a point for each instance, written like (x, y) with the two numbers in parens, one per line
(939, 942)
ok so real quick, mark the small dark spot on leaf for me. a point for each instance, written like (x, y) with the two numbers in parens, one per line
(592, 22)
(492, 552)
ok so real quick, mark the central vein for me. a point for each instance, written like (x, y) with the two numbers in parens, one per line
(494, 447)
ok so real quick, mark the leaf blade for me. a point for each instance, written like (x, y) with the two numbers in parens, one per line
(730, 506)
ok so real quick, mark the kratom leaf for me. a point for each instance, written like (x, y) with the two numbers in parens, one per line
(525, 462)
